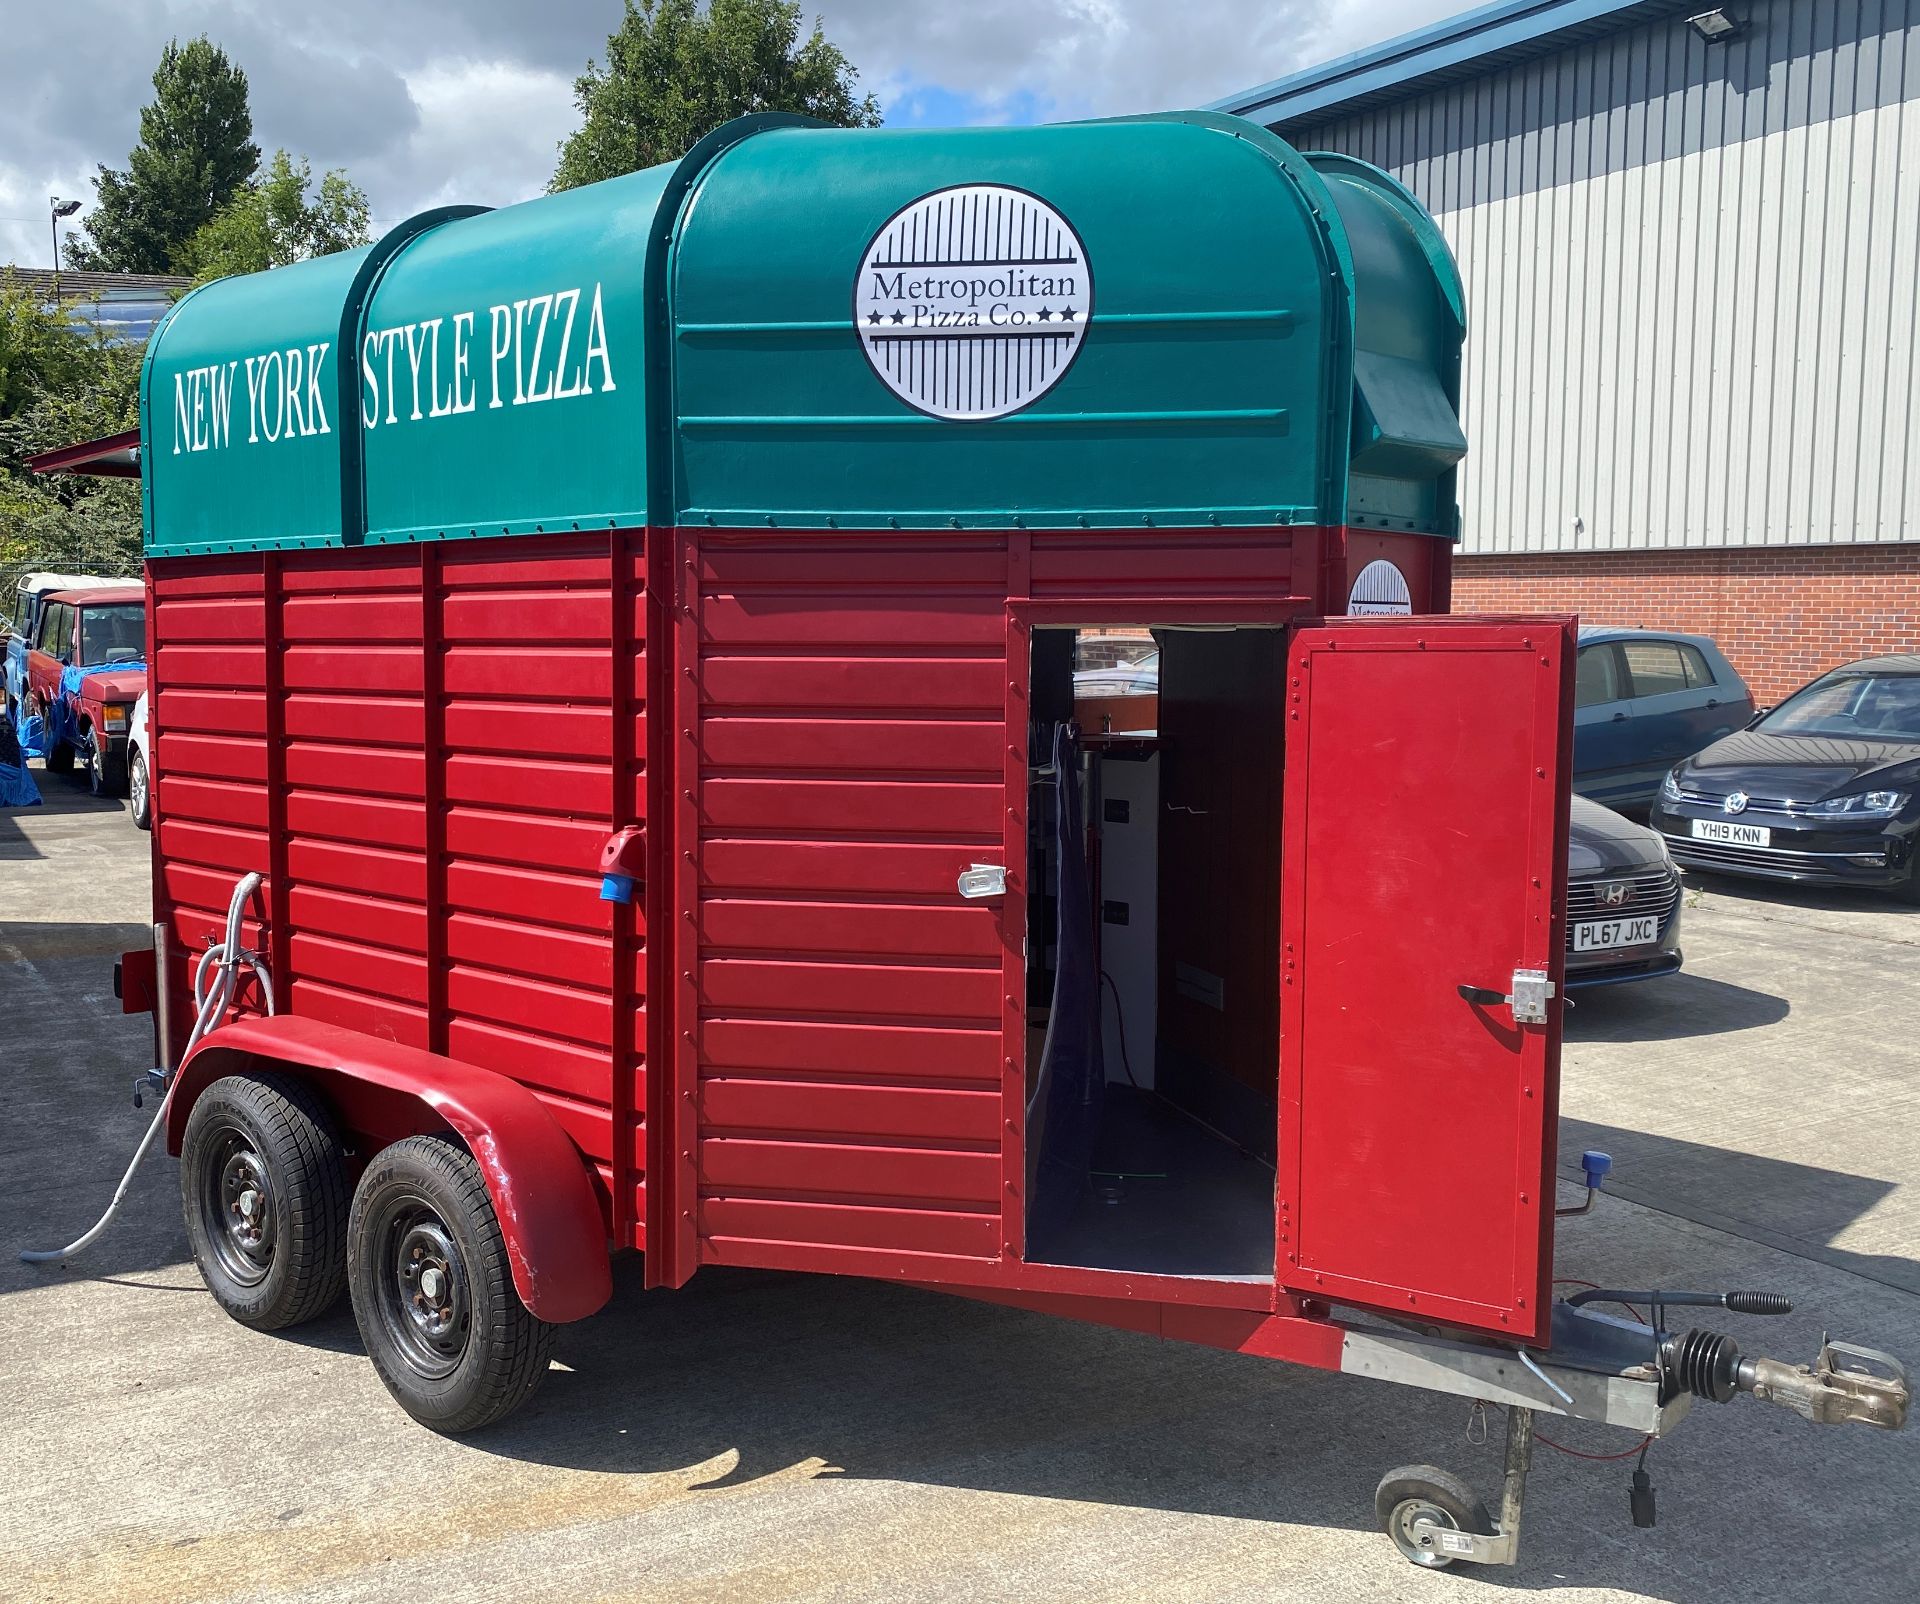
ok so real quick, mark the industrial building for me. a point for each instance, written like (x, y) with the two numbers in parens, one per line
(1691, 245)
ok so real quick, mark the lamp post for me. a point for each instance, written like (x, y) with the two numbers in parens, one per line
(57, 209)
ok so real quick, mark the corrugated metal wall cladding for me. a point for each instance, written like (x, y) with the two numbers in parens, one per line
(512, 967)
(529, 896)
(725, 1220)
(853, 684)
(850, 744)
(1692, 277)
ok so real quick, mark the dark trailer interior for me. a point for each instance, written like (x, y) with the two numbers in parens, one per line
(1155, 760)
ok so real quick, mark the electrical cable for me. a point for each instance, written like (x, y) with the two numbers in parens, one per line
(1120, 1013)
(210, 1006)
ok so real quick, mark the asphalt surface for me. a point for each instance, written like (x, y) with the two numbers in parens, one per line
(771, 1437)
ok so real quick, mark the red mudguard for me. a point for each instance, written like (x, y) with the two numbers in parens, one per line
(555, 1232)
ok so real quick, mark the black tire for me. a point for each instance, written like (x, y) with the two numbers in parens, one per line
(1443, 1498)
(461, 1351)
(281, 1258)
(140, 790)
(59, 754)
(106, 772)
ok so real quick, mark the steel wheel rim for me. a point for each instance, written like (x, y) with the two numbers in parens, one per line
(1412, 1526)
(425, 1303)
(137, 786)
(237, 1207)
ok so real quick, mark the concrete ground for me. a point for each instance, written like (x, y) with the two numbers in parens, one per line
(771, 1437)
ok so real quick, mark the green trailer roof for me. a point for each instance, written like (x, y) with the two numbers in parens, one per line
(1172, 320)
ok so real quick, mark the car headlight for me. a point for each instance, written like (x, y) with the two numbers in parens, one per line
(1863, 804)
(115, 718)
(1670, 786)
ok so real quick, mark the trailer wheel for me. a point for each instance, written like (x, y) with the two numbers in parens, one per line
(433, 1293)
(1415, 1500)
(263, 1184)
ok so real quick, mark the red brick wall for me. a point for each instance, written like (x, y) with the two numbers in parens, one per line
(1781, 615)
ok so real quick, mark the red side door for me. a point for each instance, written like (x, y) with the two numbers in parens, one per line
(1425, 851)
(51, 638)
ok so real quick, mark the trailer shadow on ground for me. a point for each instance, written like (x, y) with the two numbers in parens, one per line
(746, 1377)
(1798, 1208)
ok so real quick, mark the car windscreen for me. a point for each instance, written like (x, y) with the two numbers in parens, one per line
(1859, 707)
(113, 634)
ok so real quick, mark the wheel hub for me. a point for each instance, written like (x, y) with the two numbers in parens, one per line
(427, 1309)
(237, 1209)
(1415, 1530)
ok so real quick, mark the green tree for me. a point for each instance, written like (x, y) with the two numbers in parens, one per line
(675, 71)
(61, 382)
(196, 151)
(273, 222)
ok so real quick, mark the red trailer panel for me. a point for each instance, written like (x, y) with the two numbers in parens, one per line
(1419, 1127)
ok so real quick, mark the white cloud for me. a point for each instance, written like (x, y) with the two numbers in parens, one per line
(427, 102)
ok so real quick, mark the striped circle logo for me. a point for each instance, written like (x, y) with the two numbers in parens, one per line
(1380, 588)
(973, 301)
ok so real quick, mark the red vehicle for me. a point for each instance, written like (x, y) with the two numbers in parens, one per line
(85, 670)
(832, 940)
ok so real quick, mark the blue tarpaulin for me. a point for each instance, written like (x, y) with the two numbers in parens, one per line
(17, 788)
(59, 722)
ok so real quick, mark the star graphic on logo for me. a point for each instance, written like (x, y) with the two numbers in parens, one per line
(1046, 315)
(899, 316)
(1068, 314)
(873, 317)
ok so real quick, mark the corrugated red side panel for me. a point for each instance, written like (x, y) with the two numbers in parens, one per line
(424, 762)
(848, 747)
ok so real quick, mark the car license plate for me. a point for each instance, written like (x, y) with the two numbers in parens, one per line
(1740, 835)
(1603, 935)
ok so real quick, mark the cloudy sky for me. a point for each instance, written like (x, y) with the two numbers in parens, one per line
(430, 101)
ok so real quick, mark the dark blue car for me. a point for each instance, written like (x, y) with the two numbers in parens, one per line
(1643, 700)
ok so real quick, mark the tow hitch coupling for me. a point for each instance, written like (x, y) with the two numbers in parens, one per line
(1844, 1383)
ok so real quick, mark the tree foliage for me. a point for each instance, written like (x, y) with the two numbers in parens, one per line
(273, 222)
(61, 382)
(196, 152)
(675, 71)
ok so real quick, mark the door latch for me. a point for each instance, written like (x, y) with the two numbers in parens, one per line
(1528, 999)
(983, 880)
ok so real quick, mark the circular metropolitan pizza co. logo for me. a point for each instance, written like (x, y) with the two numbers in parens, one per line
(1380, 589)
(973, 301)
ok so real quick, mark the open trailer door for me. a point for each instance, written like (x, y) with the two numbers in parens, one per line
(1423, 880)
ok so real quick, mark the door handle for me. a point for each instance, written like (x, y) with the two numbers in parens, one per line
(1528, 999)
(1618, 718)
(982, 880)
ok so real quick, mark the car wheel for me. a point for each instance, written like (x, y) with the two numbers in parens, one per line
(138, 792)
(433, 1292)
(106, 773)
(263, 1184)
(59, 753)
(1910, 887)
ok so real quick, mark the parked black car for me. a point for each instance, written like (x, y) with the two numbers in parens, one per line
(1824, 788)
(1623, 900)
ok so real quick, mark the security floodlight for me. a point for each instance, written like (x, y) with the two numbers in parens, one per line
(57, 209)
(1715, 26)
